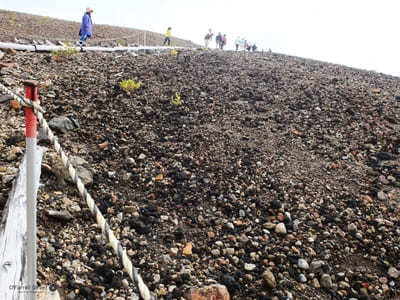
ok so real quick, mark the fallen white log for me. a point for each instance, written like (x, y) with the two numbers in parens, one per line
(49, 48)
(16, 46)
(13, 284)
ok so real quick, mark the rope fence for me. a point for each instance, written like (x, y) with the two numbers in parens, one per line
(133, 273)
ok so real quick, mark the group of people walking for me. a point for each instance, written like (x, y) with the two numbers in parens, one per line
(220, 40)
(243, 44)
(85, 32)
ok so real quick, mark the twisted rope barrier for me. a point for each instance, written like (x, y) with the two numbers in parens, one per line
(133, 273)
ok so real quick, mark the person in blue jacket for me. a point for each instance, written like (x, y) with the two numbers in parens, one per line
(86, 29)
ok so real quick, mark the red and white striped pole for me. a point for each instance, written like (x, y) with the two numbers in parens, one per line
(31, 92)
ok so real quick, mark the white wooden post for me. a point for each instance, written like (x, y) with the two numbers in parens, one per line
(31, 92)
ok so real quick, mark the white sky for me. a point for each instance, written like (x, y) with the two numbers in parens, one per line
(362, 34)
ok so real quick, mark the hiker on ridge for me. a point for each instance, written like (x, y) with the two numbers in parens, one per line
(168, 35)
(218, 40)
(237, 43)
(86, 28)
(208, 37)
(223, 42)
(248, 46)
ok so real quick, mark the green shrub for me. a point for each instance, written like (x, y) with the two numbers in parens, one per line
(130, 85)
(177, 100)
(123, 43)
(67, 52)
(12, 22)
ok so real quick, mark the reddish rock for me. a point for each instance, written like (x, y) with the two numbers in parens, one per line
(9, 65)
(11, 51)
(212, 292)
(15, 105)
(188, 249)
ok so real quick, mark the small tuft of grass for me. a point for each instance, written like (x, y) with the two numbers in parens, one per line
(177, 100)
(123, 43)
(67, 52)
(130, 85)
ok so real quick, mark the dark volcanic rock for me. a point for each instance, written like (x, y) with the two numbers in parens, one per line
(269, 160)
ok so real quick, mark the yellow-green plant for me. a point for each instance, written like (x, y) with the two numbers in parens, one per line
(123, 43)
(130, 85)
(12, 18)
(177, 100)
(66, 52)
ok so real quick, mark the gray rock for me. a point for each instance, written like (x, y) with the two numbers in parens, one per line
(85, 175)
(50, 249)
(78, 161)
(326, 281)
(156, 278)
(269, 279)
(130, 161)
(132, 53)
(382, 195)
(296, 224)
(215, 252)
(127, 176)
(393, 272)
(302, 278)
(230, 251)
(7, 71)
(343, 285)
(219, 243)
(63, 124)
(42, 135)
(51, 95)
(230, 226)
(59, 215)
(351, 227)
(9, 81)
(280, 228)
(303, 264)
(75, 208)
(148, 110)
(8, 178)
(249, 267)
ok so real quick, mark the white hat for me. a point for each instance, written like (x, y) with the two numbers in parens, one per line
(89, 10)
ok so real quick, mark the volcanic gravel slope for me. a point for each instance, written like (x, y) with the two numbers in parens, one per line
(259, 140)
(27, 28)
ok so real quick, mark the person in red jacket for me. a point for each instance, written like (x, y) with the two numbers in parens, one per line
(223, 42)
